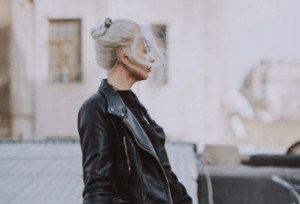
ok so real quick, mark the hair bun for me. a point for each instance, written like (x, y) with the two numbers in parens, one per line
(98, 31)
(107, 22)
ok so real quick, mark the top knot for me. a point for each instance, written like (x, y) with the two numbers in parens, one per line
(107, 22)
(101, 30)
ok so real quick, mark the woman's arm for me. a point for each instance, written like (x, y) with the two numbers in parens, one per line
(96, 140)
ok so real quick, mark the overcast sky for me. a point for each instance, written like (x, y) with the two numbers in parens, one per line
(262, 29)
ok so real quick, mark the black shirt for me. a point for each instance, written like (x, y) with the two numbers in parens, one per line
(133, 103)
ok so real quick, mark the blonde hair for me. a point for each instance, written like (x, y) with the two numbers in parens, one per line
(124, 33)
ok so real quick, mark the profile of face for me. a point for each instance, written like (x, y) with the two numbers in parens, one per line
(135, 69)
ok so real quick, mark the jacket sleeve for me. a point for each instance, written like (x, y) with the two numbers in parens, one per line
(178, 191)
(96, 139)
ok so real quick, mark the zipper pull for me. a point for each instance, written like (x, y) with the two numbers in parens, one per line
(146, 120)
(129, 170)
(127, 156)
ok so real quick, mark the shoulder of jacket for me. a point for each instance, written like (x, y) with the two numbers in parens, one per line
(97, 100)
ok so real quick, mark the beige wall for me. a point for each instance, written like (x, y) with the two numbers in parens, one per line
(57, 105)
(188, 107)
(5, 31)
(274, 137)
(272, 88)
(22, 69)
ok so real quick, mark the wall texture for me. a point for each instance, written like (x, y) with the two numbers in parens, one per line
(5, 31)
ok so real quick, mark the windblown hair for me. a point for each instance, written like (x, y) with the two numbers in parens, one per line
(124, 33)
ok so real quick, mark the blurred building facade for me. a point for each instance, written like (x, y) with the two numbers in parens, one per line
(17, 69)
(272, 88)
(5, 26)
(51, 66)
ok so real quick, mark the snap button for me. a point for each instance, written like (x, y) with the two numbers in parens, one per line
(122, 114)
(112, 109)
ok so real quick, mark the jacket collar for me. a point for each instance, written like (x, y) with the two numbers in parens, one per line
(117, 107)
(115, 104)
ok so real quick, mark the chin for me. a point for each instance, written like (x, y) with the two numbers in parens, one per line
(144, 77)
(139, 75)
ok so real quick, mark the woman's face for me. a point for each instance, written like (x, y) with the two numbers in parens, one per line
(137, 70)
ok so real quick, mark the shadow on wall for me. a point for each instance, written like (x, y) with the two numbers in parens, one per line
(5, 115)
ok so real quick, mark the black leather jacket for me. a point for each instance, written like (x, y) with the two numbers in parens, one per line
(119, 161)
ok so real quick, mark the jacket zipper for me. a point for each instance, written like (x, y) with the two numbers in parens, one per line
(126, 154)
(170, 195)
(146, 120)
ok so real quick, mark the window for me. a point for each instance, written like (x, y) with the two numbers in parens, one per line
(65, 50)
(159, 75)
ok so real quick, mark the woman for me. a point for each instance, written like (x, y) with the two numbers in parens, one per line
(124, 157)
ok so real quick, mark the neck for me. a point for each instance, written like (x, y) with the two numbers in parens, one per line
(120, 78)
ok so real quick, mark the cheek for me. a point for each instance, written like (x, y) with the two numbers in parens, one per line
(142, 56)
(139, 66)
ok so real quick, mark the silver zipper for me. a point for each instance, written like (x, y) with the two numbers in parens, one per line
(127, 157)
(170, 195)
(146, 120)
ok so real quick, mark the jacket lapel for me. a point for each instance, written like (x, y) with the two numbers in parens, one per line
(138, 132)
